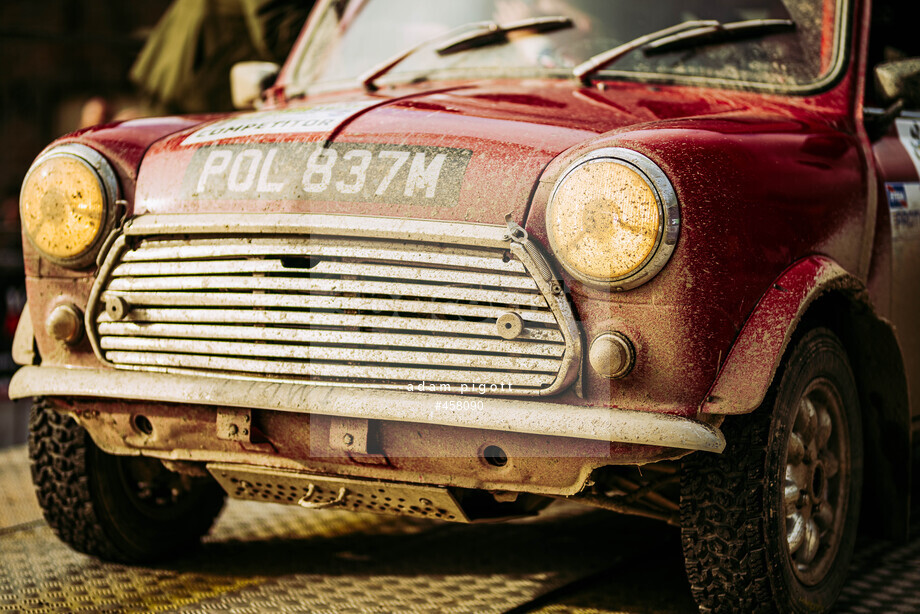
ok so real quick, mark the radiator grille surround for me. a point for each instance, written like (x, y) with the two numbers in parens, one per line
(332, 300)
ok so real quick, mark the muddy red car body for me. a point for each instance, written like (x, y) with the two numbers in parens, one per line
(370, 241)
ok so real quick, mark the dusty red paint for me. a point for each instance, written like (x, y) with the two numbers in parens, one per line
(763, 180)
(749, 367)
(725, 163)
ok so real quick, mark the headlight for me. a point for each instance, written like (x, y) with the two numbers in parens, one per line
(66, 202)
(613, 219)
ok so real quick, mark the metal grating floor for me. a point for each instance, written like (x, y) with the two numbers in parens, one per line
(262, 557)
(267, 557)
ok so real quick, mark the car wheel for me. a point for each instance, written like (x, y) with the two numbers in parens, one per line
(127, 509)
(770, 524)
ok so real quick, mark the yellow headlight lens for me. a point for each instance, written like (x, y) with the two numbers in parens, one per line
(604, 220)
(63, 206)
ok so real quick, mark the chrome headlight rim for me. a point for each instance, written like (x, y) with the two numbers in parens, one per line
(668, 210)
(108, 181)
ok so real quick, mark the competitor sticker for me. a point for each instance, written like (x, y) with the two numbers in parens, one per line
(397, 174)
(302, 120)
(904, 202)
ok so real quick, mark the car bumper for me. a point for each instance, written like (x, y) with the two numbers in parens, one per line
(495, 414)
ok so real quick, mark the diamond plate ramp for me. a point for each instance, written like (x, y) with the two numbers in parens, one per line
(267, 557)
(884, 578)
(290, 561)
(17, 497)
(885, 575)
(264, 557)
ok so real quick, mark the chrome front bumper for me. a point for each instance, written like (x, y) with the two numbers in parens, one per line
(498, 414)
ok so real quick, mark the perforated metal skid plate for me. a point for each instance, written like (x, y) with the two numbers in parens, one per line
(287, 487)
(267, 557)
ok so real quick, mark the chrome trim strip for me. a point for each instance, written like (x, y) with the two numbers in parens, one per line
(395, 229)
(496, 414)
(526, 250)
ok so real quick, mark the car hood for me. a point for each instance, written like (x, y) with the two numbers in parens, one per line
(467, 153)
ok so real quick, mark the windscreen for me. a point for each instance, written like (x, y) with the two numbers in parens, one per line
(351, 37)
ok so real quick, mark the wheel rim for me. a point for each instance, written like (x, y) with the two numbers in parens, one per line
(816, 482)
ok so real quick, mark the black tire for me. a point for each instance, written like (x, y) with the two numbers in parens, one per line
(125, 509)
(741, 511)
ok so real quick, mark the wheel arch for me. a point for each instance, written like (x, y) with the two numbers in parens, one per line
(813, 292)
(875, 358)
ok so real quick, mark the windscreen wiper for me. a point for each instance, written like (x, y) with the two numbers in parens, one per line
(682, 35)
(722, 33)
(479, 34)
(498, 34)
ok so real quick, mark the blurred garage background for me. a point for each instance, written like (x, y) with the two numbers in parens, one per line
(55, 56)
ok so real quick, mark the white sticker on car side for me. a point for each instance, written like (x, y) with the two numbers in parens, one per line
(904, 197)
(317, 118)
(904, 202)
(909, 133)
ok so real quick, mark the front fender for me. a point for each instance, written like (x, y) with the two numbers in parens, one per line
(820, 290)
(746, 375)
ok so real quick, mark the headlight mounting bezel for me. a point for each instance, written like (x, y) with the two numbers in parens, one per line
(107, 181)
(668, 215)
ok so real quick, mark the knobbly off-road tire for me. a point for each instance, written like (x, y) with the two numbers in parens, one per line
(740, 510)
(95, 504)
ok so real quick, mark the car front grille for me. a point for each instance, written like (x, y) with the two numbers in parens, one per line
(338, 309)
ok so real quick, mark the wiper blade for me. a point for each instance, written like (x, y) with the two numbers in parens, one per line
(586, 68)
(368, 78)
(699, 31)
(736, 30)
(476, 34)
(498, 34)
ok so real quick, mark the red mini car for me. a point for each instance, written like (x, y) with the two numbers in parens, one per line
(467, 258)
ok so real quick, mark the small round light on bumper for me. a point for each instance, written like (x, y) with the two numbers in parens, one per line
(612, 355)
(65, 323)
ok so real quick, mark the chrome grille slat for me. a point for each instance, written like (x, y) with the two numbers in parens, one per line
(309, 336)
(309, 285)
(230, 267)
(298, 300)
(195, 249)
(321, 353)
(314, 302)
(335, 320)
(318, 369)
